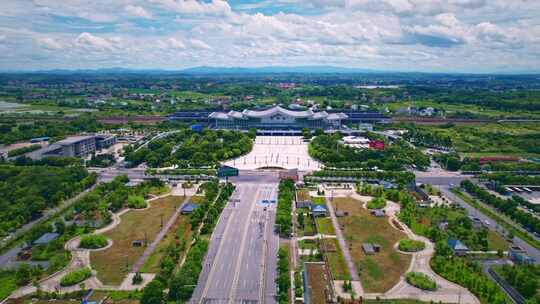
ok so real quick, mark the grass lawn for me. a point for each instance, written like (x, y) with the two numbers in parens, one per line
(111, 263)
(324, 225)
(381, 271)
(318, 200)
(496, 242)
(179, 233)
(309, 226)
(336, 261)
(308, 244)
(7, 284)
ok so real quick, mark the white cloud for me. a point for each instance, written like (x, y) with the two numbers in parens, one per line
(50, 43)
(386, 34)
(87, 40)
(137, 11)
(173, 43)
(198, 44)
(197, 7)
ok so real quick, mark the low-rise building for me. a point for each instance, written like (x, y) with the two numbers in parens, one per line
(318, 210)
(104, 141)
(75, 146)
(370, 248)
(458, 248)
(188, 208)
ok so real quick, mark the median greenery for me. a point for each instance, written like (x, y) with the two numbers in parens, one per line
(283, 278)
(421, 280)
(399, 177)
(93, 241)
(184, 282)
(409, 245)
(284, 207)
(75, 277)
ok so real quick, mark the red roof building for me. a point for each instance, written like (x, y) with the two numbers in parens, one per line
(376, 144)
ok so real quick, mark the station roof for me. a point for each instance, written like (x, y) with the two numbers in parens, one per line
(308, 114)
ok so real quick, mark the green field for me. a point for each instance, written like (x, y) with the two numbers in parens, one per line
(381, 271)
(455, 108)
(135, 225)
(491, 139)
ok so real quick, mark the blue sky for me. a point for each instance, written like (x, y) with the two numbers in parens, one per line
(397, 35)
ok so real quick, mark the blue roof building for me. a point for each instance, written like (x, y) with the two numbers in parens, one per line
(458, 247)
(318, 210)
(188, 208)
(46, 238)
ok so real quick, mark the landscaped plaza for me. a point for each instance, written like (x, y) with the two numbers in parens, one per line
(286, 152)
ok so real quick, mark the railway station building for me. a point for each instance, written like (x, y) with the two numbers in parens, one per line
(277, 118)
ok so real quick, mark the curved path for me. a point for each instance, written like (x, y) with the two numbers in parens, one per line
(80, 258)
(447, 291)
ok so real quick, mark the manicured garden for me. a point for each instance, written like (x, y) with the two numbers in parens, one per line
(75, 277)
(381, 271)
(179, 235)
(409, 245)
(336, 261)
(93, 241)
(421, 280)
(114, 263)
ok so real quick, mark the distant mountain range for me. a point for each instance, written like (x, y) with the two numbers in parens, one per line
(208, 70)
(278, 70)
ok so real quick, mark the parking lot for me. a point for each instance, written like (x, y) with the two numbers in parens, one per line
(287, 152)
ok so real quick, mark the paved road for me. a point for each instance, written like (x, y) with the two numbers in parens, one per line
(531, 251)
(437, 176)
(241, 262)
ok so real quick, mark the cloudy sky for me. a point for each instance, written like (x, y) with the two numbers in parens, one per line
(398, 35)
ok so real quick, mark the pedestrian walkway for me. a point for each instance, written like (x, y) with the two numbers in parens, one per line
(150, 249)
(346, 254)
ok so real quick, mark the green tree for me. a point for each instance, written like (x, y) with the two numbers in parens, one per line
(153, 293)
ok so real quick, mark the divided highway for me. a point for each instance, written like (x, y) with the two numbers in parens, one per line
(240, 266)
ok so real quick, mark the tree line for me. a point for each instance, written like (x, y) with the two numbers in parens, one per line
(191, 149)
(394, 157)
(286, 193)
(27, 191)
(508, 207)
